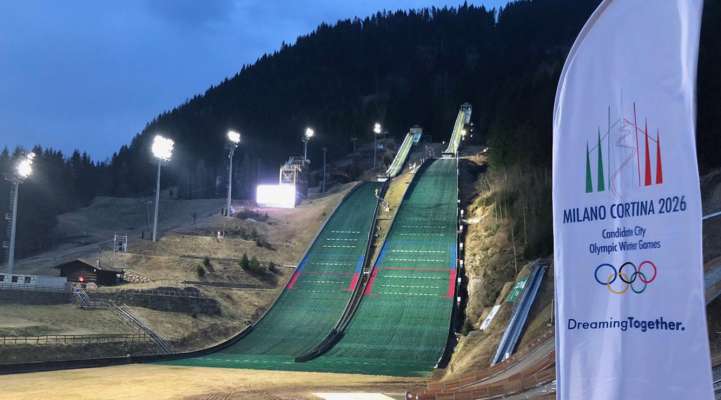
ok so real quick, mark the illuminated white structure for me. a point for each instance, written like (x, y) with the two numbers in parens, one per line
(309, 133)
(234, 140)
(23, 170)
(281, 196)
(162, 150)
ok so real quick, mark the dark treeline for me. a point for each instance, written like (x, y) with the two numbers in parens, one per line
(400, 68)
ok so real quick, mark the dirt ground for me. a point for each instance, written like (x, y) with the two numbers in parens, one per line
(174, 382)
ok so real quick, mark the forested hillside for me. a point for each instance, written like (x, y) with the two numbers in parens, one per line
(400, 68)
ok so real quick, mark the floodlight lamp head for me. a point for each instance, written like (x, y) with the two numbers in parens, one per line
(309, 133)
(24, 167)
(163, 148)
(377, 128)
(234, 137)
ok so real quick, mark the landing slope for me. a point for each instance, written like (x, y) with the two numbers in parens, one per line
(401, 326)
(315, 296)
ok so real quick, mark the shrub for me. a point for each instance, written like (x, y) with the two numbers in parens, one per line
(200, 271)
(272, 267)
(244, 262)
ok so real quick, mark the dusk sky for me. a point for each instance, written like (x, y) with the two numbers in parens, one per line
(90, 74)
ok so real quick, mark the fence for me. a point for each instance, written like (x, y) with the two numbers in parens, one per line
(74, 339)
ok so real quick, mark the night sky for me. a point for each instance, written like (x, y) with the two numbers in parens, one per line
(90, 74)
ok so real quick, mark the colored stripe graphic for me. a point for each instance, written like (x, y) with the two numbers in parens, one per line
(453, 250)
(589, 179)
(356, 274)
(294, 278)
(647, 176)
(659, 169)
(369, 286)
(601, 180)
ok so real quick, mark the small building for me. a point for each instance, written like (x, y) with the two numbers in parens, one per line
(25, 281)
(83, 271)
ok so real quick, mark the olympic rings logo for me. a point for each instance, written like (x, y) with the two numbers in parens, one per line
(629, 276)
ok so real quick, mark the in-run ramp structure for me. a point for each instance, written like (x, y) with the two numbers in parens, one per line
(412, 137)
(314, 297)
(402, 324)
(459, 130)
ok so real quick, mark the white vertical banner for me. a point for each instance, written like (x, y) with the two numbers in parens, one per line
(631, 321)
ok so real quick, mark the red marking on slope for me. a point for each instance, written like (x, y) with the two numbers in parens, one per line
(369, 286)
(452, 284)
(293, 279)
(353, 282)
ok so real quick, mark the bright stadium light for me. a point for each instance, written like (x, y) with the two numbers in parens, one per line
(309, 133)
(24, 167)
(234, 138)
(377, 128)
(162, 150)
(23, 170)
(281, 196)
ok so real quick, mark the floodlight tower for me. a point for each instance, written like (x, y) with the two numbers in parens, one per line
(163, 151)
(23, 170)
(309, 133)
(377, 129)
(233, 141)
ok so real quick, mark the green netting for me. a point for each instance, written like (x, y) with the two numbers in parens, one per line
(315, 297)
(401, 326)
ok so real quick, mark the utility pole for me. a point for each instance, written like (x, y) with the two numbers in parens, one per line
(157, 201)
(13, 226)
(23, 169)
(309, 133)
(325, 150)
(162, 150)
(377, 130)
(234, 138)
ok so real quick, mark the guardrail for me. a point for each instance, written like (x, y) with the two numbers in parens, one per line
(73, 339)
